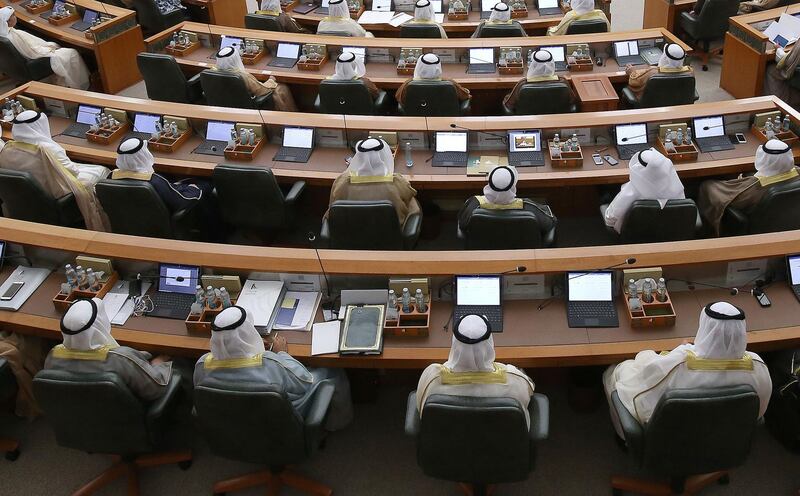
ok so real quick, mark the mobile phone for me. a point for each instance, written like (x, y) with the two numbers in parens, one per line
(740, 138)
(761, 297)
(597, 159)
(611, 160)
(12, 290)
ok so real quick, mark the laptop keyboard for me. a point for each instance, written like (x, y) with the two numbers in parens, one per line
(526, 158)
(493, 313)
(177, 301)
(287, 154)
(592, 309)
(481, 69)
(446, 158)
(626, 152)
(715, 143)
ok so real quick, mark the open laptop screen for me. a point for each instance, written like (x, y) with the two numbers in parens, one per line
(87, 114)
(707, 127)
(145, 123)
(524, 141)
(487, 5)
(451, 142)
(218, 131)
(589, 286)
(478, 290)
(174, 278)
(547, 4)
(625, 48)
(298, 137)
(631, 134)
(89, 16)
(288, 50)
(793, 261)
(558, 52)
(229, 41)
(481, 55)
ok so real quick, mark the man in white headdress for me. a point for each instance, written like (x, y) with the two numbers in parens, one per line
(370, 176)
(717, 358)
(429, 68)
(471, 370)
(66, 63)
(33, 150)
(350, 67)
(500, 193)
(229, 60)
(541, 69)
(424, 14)
(273, 8)
(672, 60)
(774, 164)
(582, 10)
(238, 355)
(338, 20)
(652, 177)
(89, 348)
(501, 14)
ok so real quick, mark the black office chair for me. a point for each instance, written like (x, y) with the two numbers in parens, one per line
(277, 435)
(709, 25)
(8, 390)
(588, 26)
(24, 199)
(226, 89)
(349, 97)
(664, 90)
(18, 68)
(433, 99)
(647, 222)
(512, 30)
(368, 225)
(97, 413)
(343, 34)
(477, 441)
(251, 199)
(504, 230)
(134, 208)
(778, 210)
(165, 80)
(719, 422)
(419, 30)
(262, 22)
(550, 97)
(154, 21)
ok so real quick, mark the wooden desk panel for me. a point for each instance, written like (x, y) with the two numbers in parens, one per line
(665, 13)
(595, 92)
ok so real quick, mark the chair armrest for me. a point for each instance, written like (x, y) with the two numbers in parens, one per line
(507, 111)
(295, 192)
(68, 211)
(412, 415)
(629, 97)
(263, 101)
(466, 106)
(194, 89)
(157, 408)
(696, 95)
(325, 233)
(381, 103)
(39, 68)
(320, 404)
(460, 234)
(411, 230)
(317, 104)
(549, 236)
(539, 410)
(634, 433)
(734, 222)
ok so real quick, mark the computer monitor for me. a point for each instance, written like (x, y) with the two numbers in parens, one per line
(548, 4)
(478, 290)
(145, 123)
(558, 52)
(90, 16)
(288, 50)
(174, 278)
(229, 41)
(87, 114)
(626, 48)
(590, 286)
(447, 141)
(481, 55)
(298, 137)
(708, 127)
(524, 141)
(487, 5)
(219, 131)
(793, 266)
(631, 134)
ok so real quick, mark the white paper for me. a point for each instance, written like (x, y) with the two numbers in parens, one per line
(788, 26)
(439, 18)
(260, 299)
(373, 17)
(307, 303)
(126, 311)
(113, 302)
(325, 338)
(400, 18)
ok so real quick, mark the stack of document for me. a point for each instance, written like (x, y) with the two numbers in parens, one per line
(297, 311)
(785, 30)
(261, 299)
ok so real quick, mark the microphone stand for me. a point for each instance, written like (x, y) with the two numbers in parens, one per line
(501, 137)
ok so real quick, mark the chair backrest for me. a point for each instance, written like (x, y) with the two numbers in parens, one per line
(134, 208)
(415, 30)
(274, 431)
(149, 16)
(24, 199)
(262, 22)
(96, 413)
(502, 230)
(502, 30)
(12, 63)
(343, 34)
(697, 431)
(249, 197)
(778, 210)
(163, 77)
(431, 99)
(647, 222)
(665, 89)
(345, 97)
(550, 97)
(364, 225)
(225, 89)
(588, 26)
(474, 440)
(713, 19)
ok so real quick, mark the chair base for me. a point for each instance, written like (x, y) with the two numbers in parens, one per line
(476, 490)
(274, 482)
(692, 485)
(10, 447)
(130, 470)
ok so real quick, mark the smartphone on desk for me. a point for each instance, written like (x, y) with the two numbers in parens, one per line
(12, 291)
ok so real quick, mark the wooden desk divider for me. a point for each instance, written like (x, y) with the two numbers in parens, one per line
(407, 61)
(245, 151)
(169, 142)
(653, 314)
(254, 58)
(183, 49)
(411, 324)
(72, 16)
(62, 301)
(579, 58)
(683, 152)
(568, 159)
(510, 61)
(315, 57)
(39, 8)
(108, 135)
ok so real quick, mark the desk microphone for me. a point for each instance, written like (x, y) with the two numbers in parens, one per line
(707, 128)
(691, 284)
(502, 137)
(312, 237)
(633, 137)
(627, 261)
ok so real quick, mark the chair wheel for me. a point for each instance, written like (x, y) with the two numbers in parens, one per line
(724, 480)
(705, 68)
(185, 465)
(12, 455)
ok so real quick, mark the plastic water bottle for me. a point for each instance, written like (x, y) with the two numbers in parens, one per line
(406, 301)
(787, 124)
(91, 280)
(211, 299)
(679, 137)
(688, 138)
(661, 290)
(392, 299)
(199, 295)
(225, 297)
(647, 291)
(409, 158)
(72, 278)
(81, 277)
(419, 299)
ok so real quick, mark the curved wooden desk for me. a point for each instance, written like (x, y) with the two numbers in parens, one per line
(665, 12)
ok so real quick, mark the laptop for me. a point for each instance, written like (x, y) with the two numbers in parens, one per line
(86, 118)
(486, 8)
(357, 51)
(627, 52)
(651, 55)
(322, 9)
(217, 136)
(631, 139)
(286, 55)
(230, 41)
(89, 18)
(176, 291)
(709, 134)
(381, 5)
(481, 295)
(56, 5)
(549, 7)
(481, 61)
(559, 53)
(451, 149)
(793, 269)
(144, 125)
(590, 300)
(298, 143)
(437, 6)
(525, 148)
(306, 7)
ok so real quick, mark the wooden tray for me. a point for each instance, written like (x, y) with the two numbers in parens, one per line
(243, 152)
(511, 69)
(458, 16)
(407, 70)
(582, 65)
(253, 59)
(312, 65)
(202, 323)
(182, 50)
(63, 20)
(567, 160)
(655, 314)
(289, 5)
(62, 302)
(412, 324)
(787, 137)
(685, 153)
(519, 13)
(106, 136)
(40, 9)
(168, 145)
(355, 14)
